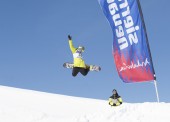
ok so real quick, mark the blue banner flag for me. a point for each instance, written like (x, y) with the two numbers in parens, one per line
(130, 43)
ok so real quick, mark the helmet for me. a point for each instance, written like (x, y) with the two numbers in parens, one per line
(114, 91)
(81, 48)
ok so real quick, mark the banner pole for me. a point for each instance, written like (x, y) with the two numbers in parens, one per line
(140, 10)
(155, 83)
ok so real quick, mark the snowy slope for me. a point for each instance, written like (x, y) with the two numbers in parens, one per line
(18, 105)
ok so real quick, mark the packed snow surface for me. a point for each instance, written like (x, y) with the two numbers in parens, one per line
(18, 105)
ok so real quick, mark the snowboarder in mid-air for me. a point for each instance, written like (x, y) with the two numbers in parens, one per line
(115, 99)
(78, 64)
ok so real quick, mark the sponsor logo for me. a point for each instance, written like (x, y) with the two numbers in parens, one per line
(133, 65)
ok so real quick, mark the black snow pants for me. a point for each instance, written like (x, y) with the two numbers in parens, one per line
(83, 71)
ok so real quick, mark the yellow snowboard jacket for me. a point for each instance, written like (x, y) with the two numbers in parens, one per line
(78, 59)
(115, 102)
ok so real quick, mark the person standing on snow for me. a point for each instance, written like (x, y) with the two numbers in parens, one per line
(115, 99)
(78, 63)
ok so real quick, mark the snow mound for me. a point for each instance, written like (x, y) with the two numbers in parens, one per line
(18, 105)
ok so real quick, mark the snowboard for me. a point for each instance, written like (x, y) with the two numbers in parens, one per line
(92, 67)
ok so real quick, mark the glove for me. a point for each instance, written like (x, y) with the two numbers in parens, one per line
(114, 104)
(69, 37)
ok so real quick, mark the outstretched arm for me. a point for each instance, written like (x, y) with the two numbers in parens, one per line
(72, 48)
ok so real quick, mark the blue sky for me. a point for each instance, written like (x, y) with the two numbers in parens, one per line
(34, 46)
